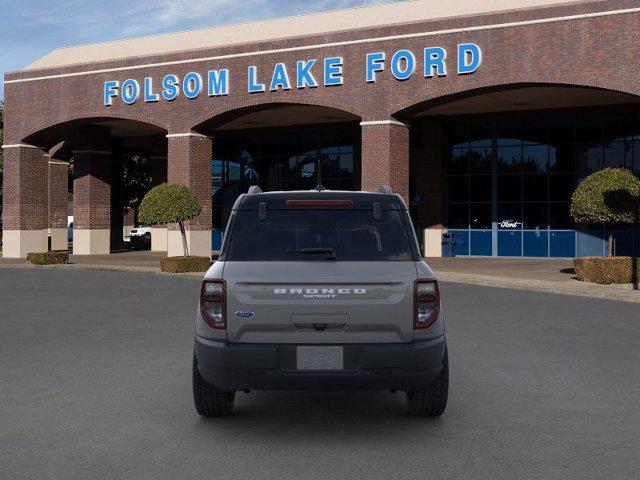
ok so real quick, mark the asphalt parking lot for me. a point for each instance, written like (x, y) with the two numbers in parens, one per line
(95, 383)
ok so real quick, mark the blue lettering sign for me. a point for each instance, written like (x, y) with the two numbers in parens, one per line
(435, 58)
(254, 86)
(192, 85)
(170, 87)
(280, 78)
(218, 81)
(130, 91)
(110, 92)
(333, 71)
(149, 96)
(469, 58)
(375, 63)
(403, 64)
(304, 76)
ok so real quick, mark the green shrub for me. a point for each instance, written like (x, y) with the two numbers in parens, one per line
(185, 264)
(610, 195)
(170, 203)
(607, 270)
(47, 258)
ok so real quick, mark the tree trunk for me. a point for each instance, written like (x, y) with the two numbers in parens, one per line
(610, 245)
(185, 247)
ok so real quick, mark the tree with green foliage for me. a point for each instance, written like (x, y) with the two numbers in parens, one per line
(170, 203)
(609, 196)
(136, 182)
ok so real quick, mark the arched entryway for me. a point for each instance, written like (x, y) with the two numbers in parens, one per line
(280, 147)
(496, 167)
(113, 162)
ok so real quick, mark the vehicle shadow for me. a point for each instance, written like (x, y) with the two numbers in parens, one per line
(326, 413)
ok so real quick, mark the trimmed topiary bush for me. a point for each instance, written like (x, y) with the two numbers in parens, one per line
(610, 195)
(607, 270)
(170, 203)
(185, 264)
(48, 258)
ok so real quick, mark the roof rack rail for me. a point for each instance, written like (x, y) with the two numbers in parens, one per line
(253, 190)
(385, 190)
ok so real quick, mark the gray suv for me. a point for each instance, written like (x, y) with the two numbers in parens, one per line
(320, 290)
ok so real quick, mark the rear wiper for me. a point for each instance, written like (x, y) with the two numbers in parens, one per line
(329, 253)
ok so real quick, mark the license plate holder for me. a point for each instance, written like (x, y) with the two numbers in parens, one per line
(318, 358)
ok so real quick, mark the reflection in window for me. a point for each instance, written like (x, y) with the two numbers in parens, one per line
(281, 159)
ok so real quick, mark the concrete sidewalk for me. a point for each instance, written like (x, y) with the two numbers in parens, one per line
(539, 275)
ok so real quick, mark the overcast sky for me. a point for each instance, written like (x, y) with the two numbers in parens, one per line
(31, 28)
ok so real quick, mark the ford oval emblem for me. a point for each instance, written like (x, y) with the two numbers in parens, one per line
(243, 313)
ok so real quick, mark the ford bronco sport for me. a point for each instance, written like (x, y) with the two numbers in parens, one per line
(320, 290)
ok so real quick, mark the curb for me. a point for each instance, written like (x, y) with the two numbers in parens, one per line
(603, 292)
(112, 268)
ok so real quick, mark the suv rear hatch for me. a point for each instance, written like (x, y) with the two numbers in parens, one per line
(314, 272)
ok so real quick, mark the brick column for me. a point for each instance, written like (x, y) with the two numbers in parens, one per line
(385, 156)
(24, 201)
(58, 190)
(92, 193)
(189, 164)
(426, 169)
(159, 175)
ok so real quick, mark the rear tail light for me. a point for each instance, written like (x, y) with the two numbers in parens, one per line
(427, 303)
(212, 303)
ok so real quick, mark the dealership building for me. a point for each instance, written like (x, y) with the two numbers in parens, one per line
(483, 115)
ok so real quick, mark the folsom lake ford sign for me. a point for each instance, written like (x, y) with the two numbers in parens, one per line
(309, 73)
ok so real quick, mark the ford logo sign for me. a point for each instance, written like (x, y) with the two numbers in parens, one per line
(243, 314)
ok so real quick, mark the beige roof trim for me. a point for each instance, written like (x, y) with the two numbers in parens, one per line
(273, 29)
(325, 45)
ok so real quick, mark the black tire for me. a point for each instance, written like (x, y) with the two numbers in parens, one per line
(431, 401)
(147, 236)
(208, 400)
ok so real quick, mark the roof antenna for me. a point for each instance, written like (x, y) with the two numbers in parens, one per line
(319, 187)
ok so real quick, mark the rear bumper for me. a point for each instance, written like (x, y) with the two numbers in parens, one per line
(232, 367)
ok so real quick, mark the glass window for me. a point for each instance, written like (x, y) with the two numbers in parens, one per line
(480, 216)
(561, 187)
(589, 157)
(459, 161)
(535, 216)
(510, 216)
(535, 133)
(509, 133)
(509, 188)
(562, 158)
(458, 215)
(535, 188)
(510, 159)
(479, 136)
(618, 154)
(480, 186)
(458, 189)
(589, 130)
(535, 158)
(559, 217)
(480, 159)
(290, 235)
(636, 156)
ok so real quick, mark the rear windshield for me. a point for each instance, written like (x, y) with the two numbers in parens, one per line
(302, 235)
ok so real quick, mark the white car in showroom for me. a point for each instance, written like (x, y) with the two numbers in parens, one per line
(138, 237)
